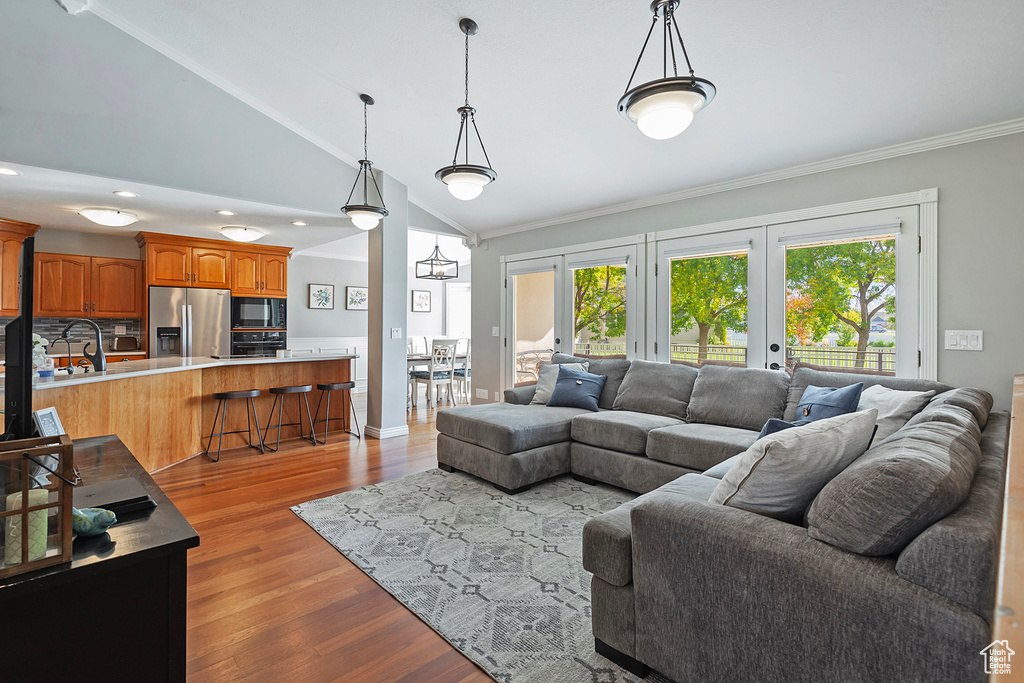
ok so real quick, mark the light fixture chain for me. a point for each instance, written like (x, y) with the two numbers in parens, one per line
(365, 126)
(467, 68)
(682, 45)
(636, 66)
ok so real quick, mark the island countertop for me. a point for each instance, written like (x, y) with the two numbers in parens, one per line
(159, 366)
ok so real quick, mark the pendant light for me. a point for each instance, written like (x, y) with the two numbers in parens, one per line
(365, 216)
(664, 107)
(436, 266)
(466, 181)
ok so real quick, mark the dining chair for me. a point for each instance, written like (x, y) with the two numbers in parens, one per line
(440, 372)
(462, 375)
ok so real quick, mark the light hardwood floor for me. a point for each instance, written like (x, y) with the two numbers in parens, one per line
(268, 599)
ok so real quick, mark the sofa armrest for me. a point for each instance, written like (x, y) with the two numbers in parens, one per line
(777, 604)
(520, 395)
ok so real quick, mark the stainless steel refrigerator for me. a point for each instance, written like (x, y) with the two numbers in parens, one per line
(186, 321)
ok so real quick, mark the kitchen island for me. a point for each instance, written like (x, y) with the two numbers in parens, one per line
(163, 410)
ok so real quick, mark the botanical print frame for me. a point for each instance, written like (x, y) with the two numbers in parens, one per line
(357, 298)
(321, 297)
(421, 301)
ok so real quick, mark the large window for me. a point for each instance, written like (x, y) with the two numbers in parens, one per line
(708, 301)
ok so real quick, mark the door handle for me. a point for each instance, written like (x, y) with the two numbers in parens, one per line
(774, 366)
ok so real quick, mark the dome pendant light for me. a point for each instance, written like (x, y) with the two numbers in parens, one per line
(466, 181)
(365, 216)
(663, 108)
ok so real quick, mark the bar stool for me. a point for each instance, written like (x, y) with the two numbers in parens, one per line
(280, 393)
(327, 388)
(222, 398)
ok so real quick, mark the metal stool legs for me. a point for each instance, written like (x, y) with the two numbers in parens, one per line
(222, 412)
(327, 416)
(280, 416)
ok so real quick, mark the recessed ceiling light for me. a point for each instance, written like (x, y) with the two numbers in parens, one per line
(112, 218)
(225, 212)
(299, 223)
(125, 193)
(9, 171)
(240, 233)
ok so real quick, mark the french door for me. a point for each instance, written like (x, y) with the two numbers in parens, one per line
(533, 309)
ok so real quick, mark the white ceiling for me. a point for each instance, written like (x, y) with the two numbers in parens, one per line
(798, 82)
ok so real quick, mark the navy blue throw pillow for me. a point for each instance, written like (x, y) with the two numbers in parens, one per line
(577, 389)
(774, 425)
(819, 403)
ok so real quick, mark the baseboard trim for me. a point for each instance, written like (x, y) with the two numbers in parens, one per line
(378, 433)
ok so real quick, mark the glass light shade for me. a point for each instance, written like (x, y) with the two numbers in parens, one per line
(240, 233)
(112, 218)
(465, 186)
(364, 220)
(665, 115)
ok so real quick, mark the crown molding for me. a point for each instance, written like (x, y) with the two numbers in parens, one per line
(198, 69)
(903, 149)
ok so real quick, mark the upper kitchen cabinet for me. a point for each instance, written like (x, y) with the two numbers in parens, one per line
(252, 270)
(116, 288)
(62, 286)
(12, 233)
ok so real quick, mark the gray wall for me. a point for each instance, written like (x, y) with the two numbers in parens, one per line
(306, 322)
(981, 241)
(431, 324)
(86, 243)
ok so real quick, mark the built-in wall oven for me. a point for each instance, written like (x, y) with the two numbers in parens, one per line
(257, 342)
(260, 312)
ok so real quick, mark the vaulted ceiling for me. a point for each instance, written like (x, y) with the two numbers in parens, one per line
(798, 82)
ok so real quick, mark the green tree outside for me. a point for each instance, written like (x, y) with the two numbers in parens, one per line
(599, 301)
(709, 293)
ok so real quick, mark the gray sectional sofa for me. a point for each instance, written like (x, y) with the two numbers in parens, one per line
(701, 592)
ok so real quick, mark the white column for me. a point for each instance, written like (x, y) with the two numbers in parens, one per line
(387, 375)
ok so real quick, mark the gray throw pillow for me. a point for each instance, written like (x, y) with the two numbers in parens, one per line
(894, 407)
(896, 490)
(656, 389)
(781, 474)
(737, 397)
(547, 375)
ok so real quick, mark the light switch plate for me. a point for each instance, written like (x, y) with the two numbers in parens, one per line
(120, 330)
(481, 393)
(495, 331)
(497, 396)
(396, 332)
(963, 340)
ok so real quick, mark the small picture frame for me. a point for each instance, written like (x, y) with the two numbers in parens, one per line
(357, 298)
(321, 297)
(47, 422)
(421, 301)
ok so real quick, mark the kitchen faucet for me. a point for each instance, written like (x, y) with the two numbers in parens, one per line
(98, 360)
(71, 368)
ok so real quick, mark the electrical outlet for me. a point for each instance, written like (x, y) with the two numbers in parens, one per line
(481, 393)
(396, 332)
(964, 340)
(495, 332)
(120, 330)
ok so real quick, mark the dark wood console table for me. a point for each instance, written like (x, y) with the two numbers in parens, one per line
(116, 612)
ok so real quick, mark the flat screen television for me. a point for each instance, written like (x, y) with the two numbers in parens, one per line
(18, 354)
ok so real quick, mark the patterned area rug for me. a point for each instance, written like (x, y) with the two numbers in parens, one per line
(499, 577)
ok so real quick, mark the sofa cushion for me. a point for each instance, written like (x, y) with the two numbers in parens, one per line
(612, 368)
(896, 490)
(547, 377)
(894, 407)
(947, 412)
(781, 474)
(977, 401)
(656, 388)
(607, 542)
(618, 430)
(803, 377)
(697, 446)
(737, 397)
(507, 428)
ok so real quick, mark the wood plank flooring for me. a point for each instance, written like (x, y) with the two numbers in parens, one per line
(268, 599)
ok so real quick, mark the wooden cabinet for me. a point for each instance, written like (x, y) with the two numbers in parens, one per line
(210, 267)
(69, 286)
(255, 274)
(252, 270)
(116, 286)
(12, 234)
(62, 286)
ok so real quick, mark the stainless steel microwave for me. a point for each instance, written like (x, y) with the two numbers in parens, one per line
(263, 312)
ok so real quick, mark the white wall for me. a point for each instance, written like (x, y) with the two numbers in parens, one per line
(981, 240)
(304, 321)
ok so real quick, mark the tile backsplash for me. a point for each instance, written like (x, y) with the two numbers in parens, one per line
(50, 328)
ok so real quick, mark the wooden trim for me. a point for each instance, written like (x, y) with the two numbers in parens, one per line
(144, 238)
(17, 227)
(1010, 592)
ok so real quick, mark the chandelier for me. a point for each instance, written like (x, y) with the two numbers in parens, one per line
(365, 216)
(436, 266)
